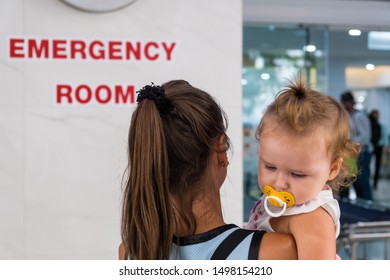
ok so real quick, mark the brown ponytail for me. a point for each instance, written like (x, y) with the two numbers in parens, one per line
(146, 205)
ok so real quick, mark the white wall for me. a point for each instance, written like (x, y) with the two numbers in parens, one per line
(61, 164)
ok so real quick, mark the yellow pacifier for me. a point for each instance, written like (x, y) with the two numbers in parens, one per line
(278, 199)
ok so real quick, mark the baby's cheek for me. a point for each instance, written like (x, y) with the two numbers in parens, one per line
(260, 179)
(303, 197)
(260, 183)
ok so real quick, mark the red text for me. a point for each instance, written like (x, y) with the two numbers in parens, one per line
(69, 49)
(101, 94)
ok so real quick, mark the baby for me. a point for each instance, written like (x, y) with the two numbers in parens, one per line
(304, 150)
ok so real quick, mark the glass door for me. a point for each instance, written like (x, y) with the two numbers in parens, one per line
(273, 55)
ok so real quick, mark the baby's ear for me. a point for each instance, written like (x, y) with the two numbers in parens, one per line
(335, 168)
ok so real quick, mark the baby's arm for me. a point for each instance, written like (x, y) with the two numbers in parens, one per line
(314, 233)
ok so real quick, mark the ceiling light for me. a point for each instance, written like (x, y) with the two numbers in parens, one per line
(354, 32)
(265, 76)
(370, 67)
(309, 48)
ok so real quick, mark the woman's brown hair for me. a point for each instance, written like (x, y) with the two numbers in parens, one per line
(168, 154)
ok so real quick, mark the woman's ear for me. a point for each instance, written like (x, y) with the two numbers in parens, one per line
(335, 168)
(220, 144)
(221, 151)
(222, 159)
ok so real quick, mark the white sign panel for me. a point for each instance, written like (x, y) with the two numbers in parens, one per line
(68, 87)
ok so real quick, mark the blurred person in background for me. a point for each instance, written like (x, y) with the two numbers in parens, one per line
(379, 139)
(360, 132)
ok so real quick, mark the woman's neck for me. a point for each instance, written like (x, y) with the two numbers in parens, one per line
(208, 215)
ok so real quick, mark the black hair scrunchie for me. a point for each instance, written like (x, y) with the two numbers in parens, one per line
(155, 93)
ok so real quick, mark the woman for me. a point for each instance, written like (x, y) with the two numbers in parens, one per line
(177, 165)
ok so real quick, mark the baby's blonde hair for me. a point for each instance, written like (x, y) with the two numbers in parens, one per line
(301, 111)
